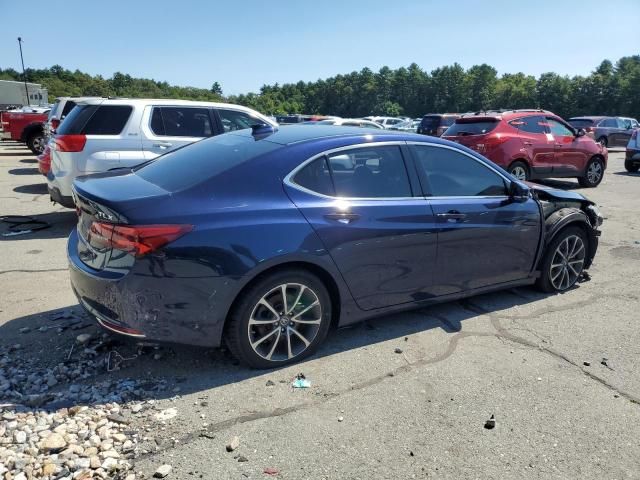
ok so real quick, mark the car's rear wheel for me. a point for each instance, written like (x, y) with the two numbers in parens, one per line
(631, 167)
(279, 320)
(564, 260)
(520, 171)
(36, 143)
(593, 174)
(603, 141)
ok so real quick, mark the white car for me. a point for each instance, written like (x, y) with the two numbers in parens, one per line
(104, 134)
(349, 122)
(386, 122)
(60, 109)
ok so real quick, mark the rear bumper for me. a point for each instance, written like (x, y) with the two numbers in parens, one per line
(162, 300)
(56, 196)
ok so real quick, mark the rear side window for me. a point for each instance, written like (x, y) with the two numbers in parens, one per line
(450, 173)
(200, 161)
(558, 129)
(96, 120)
(181, 122)
(431, 122)
(609, 122)
(447, 121)
(479, 127)
(316, 177)
(533, 124)
(371, 172)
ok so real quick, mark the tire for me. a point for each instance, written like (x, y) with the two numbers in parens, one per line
(593, 173)
(557, 275)
(630, 167)
(253, 344)
(36, 143)
(604, 141)
(520, 170)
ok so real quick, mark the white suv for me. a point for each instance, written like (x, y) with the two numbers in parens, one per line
(103, 134)
(386, 122)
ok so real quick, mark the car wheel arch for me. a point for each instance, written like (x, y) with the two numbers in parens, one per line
(561, 219)
(31, 129)
(321, 272)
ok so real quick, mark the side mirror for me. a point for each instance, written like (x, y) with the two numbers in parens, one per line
(581, 132)
(518, 192)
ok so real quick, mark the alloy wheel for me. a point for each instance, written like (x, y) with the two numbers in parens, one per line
(594, 172)
(567, 263)
(519, 172)
(284, 322)
(38, 144)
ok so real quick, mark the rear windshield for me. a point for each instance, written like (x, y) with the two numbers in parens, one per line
(96, 120)
(479, 127)
(432, 121)
(200, 161)
(581, 123)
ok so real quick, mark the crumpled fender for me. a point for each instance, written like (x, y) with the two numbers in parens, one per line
(559, 219)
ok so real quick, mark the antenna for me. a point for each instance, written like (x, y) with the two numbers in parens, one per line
(24, 74)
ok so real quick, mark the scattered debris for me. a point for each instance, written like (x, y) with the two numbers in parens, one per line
(166, 414)
(411, 454)
(270, 383)
(271, 471)
(586, 364)
(242, 458)
(491, 423)
(233, 444)
(162, 471)
(605, 362)
(406, 339)
(21, 225)
(301, 381)
(398, 350)
(340, 419)
(83, 338)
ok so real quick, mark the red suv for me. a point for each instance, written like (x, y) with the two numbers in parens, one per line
(532, 144)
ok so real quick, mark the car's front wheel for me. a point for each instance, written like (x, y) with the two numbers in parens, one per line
(603, 141)
(279, 320)
(564, 261)
(593, 174)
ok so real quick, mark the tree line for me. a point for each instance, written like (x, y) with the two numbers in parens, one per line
(611, 89)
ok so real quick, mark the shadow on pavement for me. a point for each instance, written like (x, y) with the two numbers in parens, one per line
(24, 171)
(60, 225)
(34, 189)
(28, 160)
(110, 368)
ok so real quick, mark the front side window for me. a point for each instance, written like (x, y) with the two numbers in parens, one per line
(609, 123)
(558, 129)
(624, 123)
(236, 120)
(450, 173)
(370, 172)
(181, 122)
(534, 124)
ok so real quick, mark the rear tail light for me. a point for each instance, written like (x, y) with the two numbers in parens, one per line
(55, 123)
(70, 143)
(44, 161)
(138, 240)
(489, 143)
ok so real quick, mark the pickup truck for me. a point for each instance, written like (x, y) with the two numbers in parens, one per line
(26, 127)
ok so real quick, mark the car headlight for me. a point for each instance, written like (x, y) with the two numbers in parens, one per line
(595, 215)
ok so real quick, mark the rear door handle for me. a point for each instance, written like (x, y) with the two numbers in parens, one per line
(163, 145)
(345, 218)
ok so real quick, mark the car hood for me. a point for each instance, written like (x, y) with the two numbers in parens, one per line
(549, 193)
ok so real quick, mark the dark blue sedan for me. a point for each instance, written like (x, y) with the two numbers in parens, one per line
(267, 238)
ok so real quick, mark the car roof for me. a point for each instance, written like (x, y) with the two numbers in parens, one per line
(497, 115)
(292, 134)
(141, 102)
(588, 118)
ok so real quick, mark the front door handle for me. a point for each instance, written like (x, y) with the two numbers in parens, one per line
(163, 145)
(452, 216)
(528, 144)
(345, 218)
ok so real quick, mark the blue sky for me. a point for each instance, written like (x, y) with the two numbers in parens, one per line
(245, 44)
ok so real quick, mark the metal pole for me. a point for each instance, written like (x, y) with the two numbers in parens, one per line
(24, 74)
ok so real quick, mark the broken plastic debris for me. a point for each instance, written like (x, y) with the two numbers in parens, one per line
(271, 471)
(301, 381)
(491, 423)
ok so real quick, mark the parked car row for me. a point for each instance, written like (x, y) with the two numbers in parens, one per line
(25, 125)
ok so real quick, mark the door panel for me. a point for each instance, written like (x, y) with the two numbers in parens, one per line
(569, 159)
(484, 238)
(490, 241)
(385, 248)
(536, 144)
